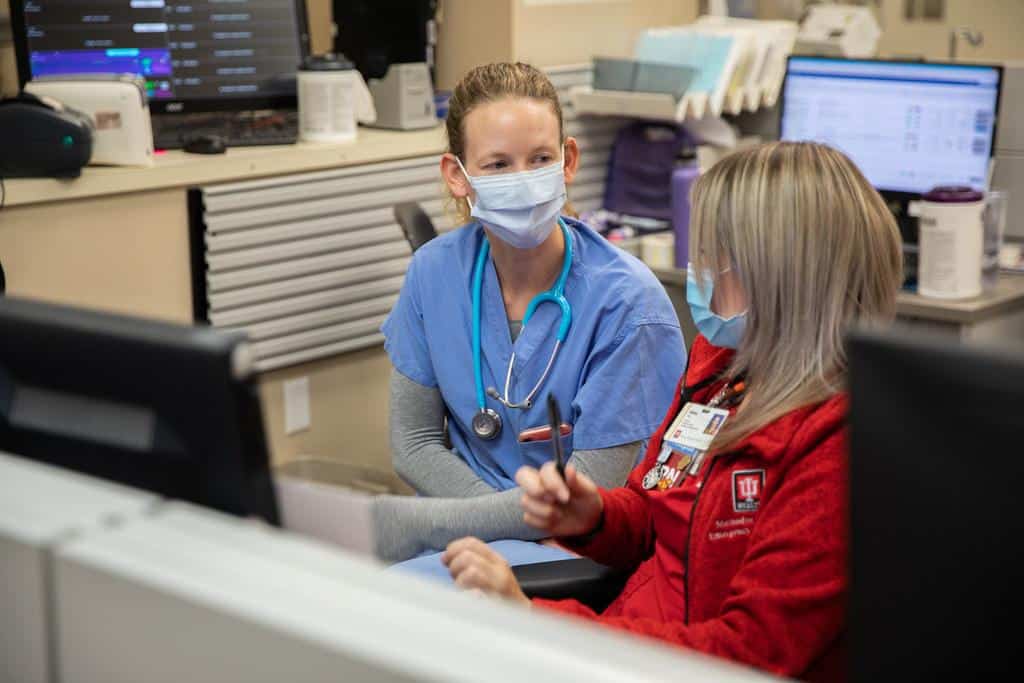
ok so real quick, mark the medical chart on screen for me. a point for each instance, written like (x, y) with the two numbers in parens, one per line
(908, 127)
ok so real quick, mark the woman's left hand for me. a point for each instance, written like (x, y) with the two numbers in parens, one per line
(474, 566)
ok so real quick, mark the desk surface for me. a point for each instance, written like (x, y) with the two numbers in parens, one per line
(1007, 295)
(178, 169)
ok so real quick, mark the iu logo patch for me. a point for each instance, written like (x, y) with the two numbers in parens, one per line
(747, 487)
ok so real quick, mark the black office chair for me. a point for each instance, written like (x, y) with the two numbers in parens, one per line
(415, 223)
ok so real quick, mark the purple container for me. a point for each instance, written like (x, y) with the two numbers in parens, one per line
(682, 180)
(640, 170)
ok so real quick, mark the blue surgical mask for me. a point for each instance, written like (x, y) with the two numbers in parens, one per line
(722, 332)
(520, 208)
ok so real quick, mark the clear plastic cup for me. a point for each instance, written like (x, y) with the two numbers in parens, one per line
(993, 220)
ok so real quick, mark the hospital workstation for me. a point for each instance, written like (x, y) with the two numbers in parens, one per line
(264, 363)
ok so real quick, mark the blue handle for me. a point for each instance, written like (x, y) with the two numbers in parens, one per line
(563, 303)
(557, 293)
(478, 281)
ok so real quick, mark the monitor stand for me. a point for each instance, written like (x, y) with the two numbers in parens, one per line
(238, 128)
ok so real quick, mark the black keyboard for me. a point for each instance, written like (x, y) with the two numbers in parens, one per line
(239, 129)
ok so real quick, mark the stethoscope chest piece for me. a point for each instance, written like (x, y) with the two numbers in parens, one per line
(487, 424)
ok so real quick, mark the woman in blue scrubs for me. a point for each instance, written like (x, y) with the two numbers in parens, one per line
(521, 301)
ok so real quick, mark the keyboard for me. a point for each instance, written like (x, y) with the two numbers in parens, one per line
(239, 129)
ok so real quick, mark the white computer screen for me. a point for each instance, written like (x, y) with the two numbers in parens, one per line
(908, 126)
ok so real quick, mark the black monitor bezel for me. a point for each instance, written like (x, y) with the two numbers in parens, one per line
(182, 375)
(900, 196)
(904, 386)
(174, 106)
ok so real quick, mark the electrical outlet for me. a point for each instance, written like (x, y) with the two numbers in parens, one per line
(930, 10)
(296, 405)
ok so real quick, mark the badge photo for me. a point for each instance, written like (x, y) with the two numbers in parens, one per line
(747, 488)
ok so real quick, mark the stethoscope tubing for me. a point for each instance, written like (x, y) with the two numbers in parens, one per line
(556, 295)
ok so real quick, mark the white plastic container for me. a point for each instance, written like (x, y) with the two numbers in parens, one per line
(333, 97)
(658, 250)
(952, 243)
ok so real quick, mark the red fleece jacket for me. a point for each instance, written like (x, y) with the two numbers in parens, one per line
(746, 560)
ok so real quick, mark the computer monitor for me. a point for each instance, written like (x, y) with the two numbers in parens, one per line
(195, 56)
(375, 34)
(166, 408)
(908, 126)
(936, 465)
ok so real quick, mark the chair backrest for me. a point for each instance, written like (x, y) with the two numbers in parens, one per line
(416, 224)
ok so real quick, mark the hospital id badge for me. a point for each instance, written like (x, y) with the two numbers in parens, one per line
(695, 427)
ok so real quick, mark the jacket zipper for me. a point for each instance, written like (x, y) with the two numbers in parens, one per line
(689, 540)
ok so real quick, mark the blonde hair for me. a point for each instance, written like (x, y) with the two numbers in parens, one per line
(489, 83)
(815, 249)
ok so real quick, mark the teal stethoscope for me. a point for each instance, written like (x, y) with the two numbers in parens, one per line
(487, 422)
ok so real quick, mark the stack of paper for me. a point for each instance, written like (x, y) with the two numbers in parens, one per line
(738, 65)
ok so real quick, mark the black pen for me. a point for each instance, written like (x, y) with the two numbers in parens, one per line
(555, 418)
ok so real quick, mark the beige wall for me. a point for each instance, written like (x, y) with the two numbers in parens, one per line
(8, 70)
(321, 34)
(571, 32)
(471, 32)
(124, 253)
(1001, 22)
(348, 410)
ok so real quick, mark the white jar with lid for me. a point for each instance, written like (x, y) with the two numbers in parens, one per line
(951, 242)
(332, 97)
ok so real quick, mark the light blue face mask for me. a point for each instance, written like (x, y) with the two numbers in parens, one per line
(520, 208)
(722, 332)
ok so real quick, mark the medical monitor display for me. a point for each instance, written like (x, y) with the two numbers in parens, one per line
(184, 50)
(908, 126)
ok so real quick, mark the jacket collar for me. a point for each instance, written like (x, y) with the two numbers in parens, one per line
(706, 361)
(771, 442)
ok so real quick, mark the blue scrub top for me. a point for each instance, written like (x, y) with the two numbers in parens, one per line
(613, 378)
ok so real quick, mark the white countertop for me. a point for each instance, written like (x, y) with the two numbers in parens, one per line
(179, 169)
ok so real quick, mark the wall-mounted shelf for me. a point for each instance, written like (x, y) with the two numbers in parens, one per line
(740, 67)
(660, 106)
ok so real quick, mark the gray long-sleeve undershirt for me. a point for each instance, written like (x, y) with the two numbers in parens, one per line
(458, 502)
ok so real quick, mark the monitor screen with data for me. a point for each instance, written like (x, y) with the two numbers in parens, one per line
(185, 50)
(908, 126)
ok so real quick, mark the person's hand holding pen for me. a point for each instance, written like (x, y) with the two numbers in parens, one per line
(569, 506)
(562, 507)
(556, 498)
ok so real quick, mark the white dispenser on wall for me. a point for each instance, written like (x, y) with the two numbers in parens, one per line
(404, 97)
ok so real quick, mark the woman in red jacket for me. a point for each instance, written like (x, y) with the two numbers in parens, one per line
(737, 540)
